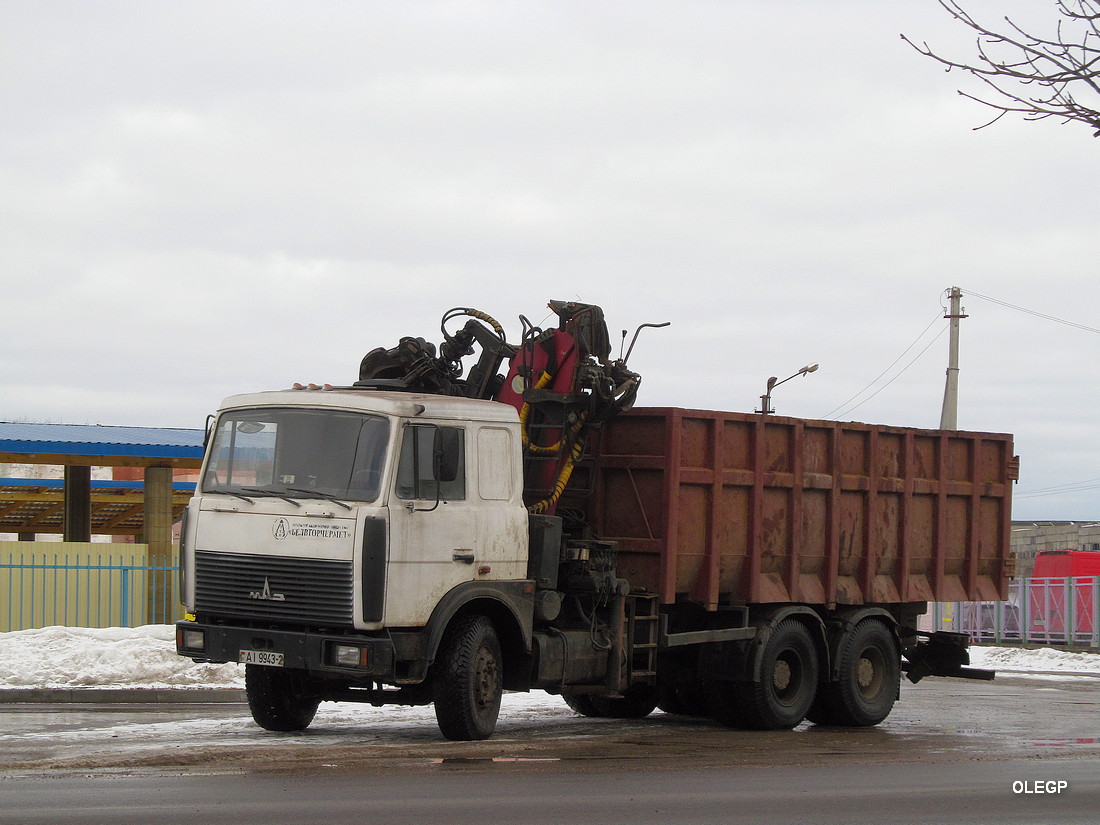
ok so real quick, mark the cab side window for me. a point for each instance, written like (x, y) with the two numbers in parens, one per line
(432, 465)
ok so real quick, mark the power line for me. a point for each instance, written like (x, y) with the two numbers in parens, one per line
(844, 409)
(1067, 485)
(1072, 487)
(1032, 312)
(844, 405)
(1084, 489)
(900, 373)
(1060, 489)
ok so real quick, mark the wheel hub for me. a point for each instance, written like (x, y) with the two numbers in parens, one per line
(781, 677)
(865, 673)
(487, 678)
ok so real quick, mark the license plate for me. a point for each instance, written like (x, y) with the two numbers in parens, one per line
(260, 657)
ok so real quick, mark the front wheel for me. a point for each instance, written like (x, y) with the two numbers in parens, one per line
(280, 700)
(468, 680)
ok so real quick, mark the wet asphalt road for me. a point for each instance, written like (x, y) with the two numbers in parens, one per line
(826, 795)
(952, 751)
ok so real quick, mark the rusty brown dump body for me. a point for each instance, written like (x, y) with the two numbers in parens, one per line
(722, 508)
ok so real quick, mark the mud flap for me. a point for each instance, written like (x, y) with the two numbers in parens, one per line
(943, 654)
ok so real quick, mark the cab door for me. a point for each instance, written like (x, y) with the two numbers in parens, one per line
(434, 544)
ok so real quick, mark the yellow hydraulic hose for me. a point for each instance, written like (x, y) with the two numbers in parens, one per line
(563, 481)
(525, 412)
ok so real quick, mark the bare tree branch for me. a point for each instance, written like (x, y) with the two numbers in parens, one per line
(1038, 77)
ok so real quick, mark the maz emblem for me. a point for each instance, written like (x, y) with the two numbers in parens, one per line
(266, 595)
(280, 529)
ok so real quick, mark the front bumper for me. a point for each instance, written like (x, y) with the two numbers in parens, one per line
(301, 650)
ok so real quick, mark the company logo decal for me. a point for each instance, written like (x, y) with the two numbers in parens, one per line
(287, 529)
(266, 595)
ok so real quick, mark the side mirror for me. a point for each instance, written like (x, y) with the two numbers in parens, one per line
(207, 430)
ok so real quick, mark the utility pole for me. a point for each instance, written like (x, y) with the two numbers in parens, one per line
(949, 417)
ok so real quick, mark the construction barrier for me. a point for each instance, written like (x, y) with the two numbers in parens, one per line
(1049, 611)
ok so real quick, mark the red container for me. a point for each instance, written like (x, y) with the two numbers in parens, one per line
(728, 509)
(1061, 563)
(1062, 593)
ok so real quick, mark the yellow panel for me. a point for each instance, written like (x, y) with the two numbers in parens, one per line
(82, 585)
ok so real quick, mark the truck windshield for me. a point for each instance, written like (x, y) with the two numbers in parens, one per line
(297, 453)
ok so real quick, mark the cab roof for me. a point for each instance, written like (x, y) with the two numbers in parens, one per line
(384, 402)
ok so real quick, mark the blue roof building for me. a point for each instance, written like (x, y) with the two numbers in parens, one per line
(77, 506)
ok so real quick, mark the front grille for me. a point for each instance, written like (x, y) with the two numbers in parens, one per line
(276, 588)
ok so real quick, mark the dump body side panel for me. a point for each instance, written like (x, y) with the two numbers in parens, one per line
(723, 508)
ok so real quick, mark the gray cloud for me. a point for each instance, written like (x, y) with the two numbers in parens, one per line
(204, 198)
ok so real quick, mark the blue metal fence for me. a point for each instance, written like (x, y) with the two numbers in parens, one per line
(86, 590)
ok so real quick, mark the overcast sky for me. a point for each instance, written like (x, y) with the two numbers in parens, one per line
(208, 198)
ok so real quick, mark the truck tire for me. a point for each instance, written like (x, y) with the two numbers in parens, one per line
(468, 680)
(870, 671)
(670, 701)
(584, 704)
(280, 700)
(685, 699)
(787, 686)
(721, 704)
(637, 703)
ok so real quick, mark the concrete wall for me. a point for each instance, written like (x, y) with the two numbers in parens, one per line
(1031, 537)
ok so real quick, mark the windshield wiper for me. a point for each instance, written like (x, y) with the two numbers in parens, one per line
(229, 492)
(267, 491)
(319, 494)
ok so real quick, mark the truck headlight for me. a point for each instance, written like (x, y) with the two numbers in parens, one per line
(191, 640)
(349, 655)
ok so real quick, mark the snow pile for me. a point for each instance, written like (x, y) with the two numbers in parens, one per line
(1018, 660)
(68, 657)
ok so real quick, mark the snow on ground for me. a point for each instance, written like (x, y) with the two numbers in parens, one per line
(68, 657)
(1018, 660)
(145, 657)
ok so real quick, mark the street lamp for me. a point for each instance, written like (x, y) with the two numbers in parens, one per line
(773, 382)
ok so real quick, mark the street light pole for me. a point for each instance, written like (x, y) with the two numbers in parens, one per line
(773, 382)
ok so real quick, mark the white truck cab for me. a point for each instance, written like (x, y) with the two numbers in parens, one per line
(334, 500)
(330, 526)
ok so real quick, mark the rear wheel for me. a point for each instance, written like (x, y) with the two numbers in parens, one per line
(870, 671)
(687, 698)
(787, 686)
(720, 702)
(280, 700)
(584, 704)
(635, 703)
(468, 680)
